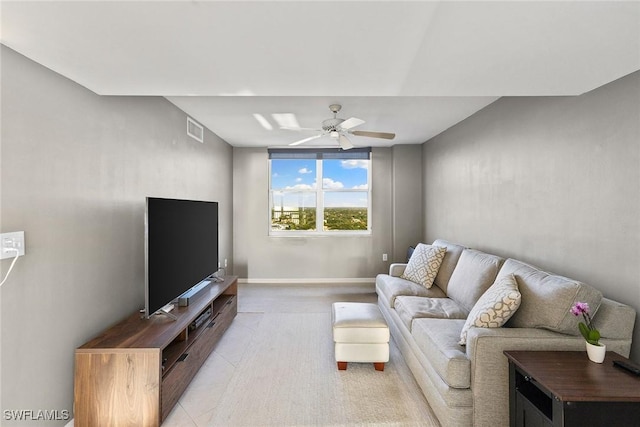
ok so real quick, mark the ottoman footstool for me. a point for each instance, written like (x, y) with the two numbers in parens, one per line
(360, 334)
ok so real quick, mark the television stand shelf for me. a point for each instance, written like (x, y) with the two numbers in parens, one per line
(133, 373)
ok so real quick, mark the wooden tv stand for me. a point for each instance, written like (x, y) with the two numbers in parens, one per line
(134, 372)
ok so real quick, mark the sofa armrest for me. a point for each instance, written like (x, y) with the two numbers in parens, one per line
(490, 367)
(396, 269)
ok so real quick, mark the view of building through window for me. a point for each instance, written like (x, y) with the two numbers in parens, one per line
(340, 203)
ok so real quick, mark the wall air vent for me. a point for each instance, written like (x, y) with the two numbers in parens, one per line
(195, 130)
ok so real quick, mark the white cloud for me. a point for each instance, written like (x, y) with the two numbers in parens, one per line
(360, 187)
(355, 164)
(305, 170)
(331, 184)
(301, 187)
(298, 179)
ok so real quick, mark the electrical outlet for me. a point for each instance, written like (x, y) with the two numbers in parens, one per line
(384, 257)
(225, 263)
(14, 240)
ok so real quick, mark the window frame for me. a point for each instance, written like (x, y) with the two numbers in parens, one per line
(319, 190)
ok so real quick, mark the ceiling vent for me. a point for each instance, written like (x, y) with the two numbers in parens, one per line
(195, 130)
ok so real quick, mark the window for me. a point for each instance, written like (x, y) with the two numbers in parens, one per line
(298, 205)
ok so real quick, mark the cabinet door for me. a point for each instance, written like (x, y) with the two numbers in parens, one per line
(528, 415)
(176, 381)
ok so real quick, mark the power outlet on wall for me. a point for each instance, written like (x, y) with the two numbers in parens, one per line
(225, 263)
(10, 241)
(384, 257)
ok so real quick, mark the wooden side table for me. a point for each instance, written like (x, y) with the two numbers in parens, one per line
(564, 388)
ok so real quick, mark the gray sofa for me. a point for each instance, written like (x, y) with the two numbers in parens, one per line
(468, 385)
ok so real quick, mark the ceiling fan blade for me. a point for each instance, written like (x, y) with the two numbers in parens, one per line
(295, 128)
(351, 123)
(384, 135)
(345, 144)
(302, 141)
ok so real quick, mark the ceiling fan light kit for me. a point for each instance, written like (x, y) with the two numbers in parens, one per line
(337, 129)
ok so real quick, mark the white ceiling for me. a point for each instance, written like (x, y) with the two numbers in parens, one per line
(414, 68)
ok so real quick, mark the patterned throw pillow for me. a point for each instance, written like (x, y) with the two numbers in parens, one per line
(494, 307)
(424, 264)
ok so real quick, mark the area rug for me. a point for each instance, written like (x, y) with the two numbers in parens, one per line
(288, 377)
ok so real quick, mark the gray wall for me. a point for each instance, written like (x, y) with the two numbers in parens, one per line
(407, 199)
(75, 170)
(554, 181)
(258, 256)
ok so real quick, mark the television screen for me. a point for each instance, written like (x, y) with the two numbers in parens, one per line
(181, 248)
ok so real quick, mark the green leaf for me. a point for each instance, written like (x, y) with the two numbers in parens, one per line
(585, 331)
(594, 337)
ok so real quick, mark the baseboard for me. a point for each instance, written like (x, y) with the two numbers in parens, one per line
(308, 280)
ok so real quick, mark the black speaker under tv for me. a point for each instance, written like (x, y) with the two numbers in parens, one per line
(181, 248)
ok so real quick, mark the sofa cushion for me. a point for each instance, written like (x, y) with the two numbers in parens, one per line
(424, 264)
(494, 307)
(391, 287)
(547, 298)
(473, 275)
(438, 341)
(615, 320)
(449, 262)
(409, 308)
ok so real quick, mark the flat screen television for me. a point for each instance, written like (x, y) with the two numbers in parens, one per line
(181, 248)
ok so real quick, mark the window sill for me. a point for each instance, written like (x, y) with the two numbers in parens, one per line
(287, 234)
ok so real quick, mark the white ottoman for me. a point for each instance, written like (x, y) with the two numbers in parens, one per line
(360, 334)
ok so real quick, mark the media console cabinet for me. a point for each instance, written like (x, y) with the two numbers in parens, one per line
(134, 372)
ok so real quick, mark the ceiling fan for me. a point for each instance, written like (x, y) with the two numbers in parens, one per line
(338, 129)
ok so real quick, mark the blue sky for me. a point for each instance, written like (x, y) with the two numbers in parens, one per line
(301, 174)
